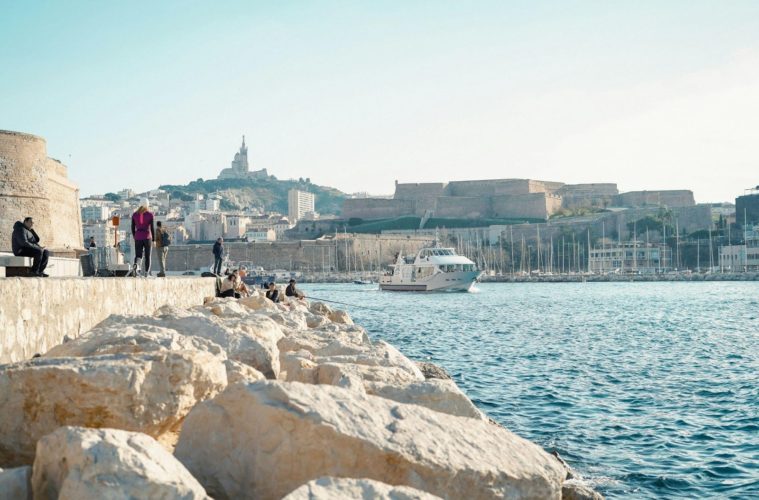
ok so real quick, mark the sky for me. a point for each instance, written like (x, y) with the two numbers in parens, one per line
(355, 95)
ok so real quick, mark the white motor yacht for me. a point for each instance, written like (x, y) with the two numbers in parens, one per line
(432, 270)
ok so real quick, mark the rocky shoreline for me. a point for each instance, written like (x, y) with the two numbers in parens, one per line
(251, 399)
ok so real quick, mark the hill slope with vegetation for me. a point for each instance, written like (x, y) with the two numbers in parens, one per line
(269, 194)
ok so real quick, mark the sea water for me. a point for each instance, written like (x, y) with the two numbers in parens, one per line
(648, 390)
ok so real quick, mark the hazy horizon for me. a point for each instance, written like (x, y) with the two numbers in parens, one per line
(646, 95)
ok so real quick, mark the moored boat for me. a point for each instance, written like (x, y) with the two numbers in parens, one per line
(432, 270)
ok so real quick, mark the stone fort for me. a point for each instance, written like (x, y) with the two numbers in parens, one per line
(503, 199)
(31, 184)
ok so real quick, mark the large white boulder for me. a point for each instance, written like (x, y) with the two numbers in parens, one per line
(94, 464)
(258, 302)
(320, 308)
(265, 439)
(132, 338)
(149, 393)
(327, 340)
(251, 339)
(339, 316)
(439, 395)
(343, 488)
(303, 367)
(15, 484)
(239, 372)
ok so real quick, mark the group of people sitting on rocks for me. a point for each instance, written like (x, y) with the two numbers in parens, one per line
(232, 285)
(273, 294)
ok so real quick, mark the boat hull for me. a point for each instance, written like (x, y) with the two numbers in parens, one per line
(460, 281)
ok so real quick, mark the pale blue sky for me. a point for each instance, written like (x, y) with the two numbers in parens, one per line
(648, 94)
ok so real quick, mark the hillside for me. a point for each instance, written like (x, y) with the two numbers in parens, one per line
(268, 194)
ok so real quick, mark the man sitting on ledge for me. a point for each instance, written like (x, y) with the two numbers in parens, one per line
(26, 243)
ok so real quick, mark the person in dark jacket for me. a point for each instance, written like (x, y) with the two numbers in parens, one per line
(291, 291)
(273, 293)
(218, 255)
(26, 243)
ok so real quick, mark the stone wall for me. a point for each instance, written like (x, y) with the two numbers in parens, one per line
(413, 191)
(37, 313)
(376, 208)
(670, 198)
(65, 217)
(31, 184)
(307, 255)
(587, 195)
(467, 207)
(533, 206)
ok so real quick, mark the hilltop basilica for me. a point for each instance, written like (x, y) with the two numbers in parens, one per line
(239, 168)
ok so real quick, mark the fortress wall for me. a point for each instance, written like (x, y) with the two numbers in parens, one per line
(413, 191)
(471, 188)
(535, 186)
(376, 208)
(422, 204)
(693, 218)
(533, 205)
(593, 189)
(37, 313)
(550, 186)
(23, 184)
(588, 195)
(65, 218)
(31, 184)
(306, 255)
(474, 207)
(669, 198)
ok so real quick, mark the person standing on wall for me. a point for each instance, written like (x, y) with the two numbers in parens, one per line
(218, 256)
(26, 243)
(162, 242)
(143, 232)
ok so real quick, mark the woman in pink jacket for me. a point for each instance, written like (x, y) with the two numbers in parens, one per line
(143, 231)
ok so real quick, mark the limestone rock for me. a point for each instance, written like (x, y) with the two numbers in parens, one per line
(430, 370)
(149, 392)
(258, 302)
(341, 488)
(81, 463)
(573, 489)
(325, 341)
(439, 395)
(251, 340)
(15, 484)
(237, 446)
(238, 372)
(290, 321)
(341, 317)
(320, 308)
(315, 320)
(129, 339)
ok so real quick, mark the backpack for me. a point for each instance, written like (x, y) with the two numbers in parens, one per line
(165, 238)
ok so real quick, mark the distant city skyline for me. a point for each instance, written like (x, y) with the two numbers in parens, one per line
(648, 95)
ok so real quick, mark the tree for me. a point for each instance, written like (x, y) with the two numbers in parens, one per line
(112, 197)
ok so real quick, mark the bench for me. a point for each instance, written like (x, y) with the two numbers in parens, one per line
(12, 265)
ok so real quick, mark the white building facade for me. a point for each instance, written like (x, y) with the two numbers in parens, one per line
(299, 203)
(630, 257)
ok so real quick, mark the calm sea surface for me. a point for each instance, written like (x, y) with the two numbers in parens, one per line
(648, 390)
